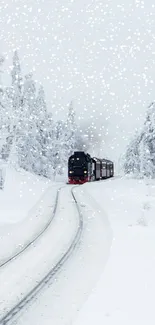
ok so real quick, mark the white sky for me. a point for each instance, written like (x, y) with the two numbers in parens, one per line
(101, 54)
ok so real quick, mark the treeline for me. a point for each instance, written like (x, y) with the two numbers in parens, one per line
(139, 158)
(29, 137)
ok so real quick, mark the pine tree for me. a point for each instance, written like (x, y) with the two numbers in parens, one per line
(13, 97)
(5, 118)
(6, 123)
(58, 147)
(29, 95)
(16, 72)
(16, 86)
(29, 114)
(1, 63)
(27, 130)
(2, 113)
(70, 132)
(147, 146)
(140, 155)
(131, 159)
(147, 168)
(43, 131)
(49, 136)
(1, 87)
(3, 133)
(41, 107)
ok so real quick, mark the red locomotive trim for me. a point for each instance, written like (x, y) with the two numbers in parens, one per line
(78, 181)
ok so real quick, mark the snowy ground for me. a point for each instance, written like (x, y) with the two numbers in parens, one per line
(21, 191)
(67, 292)
(125, 293)
(110, 276)
(25, 208)
(24, 272)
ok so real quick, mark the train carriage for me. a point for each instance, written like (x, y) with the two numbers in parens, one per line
(103, 168)
(97, 168)
(110, 168)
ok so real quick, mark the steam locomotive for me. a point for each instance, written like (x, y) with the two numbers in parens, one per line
(83, 168)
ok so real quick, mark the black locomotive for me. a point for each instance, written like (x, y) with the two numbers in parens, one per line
(83, 168)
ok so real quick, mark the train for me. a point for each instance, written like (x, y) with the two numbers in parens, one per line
(83, 168)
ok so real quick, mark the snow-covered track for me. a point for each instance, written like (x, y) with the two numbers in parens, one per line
(35, 238)
(11, 315)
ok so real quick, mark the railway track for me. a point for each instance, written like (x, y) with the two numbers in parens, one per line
(13, 314)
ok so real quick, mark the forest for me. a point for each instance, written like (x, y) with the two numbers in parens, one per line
(29, 136)
(139, 158)
(31, 139)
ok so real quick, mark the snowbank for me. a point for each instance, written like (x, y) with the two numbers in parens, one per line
(26, 206)
(125, 293)
(21, 192)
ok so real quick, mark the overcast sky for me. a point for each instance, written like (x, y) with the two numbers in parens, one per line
(101, 54)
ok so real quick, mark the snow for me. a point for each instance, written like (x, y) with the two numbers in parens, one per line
(126, 291)
(105, 71)
(108, 68)
(70, 288)
(25, 209)
(109, 279)
(24, 272)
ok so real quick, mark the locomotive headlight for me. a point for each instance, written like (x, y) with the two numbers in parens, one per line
(85, 171)
(71, 172)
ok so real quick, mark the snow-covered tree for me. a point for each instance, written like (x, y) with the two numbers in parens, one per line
(27, 129)
(1, 87)
(28, 135)
(12, 99)
(30, 153)
(6, 127)
(4, 110)
(70, 131)
(5, 113)
(147, 144)
(28, 118)
(139, 158)
(146, 166)
(131, 161)
(45, 131)
(1, 63)
(12, 153)
(36, 135)
(16, 72)
(16, 87)
(41, 107)
(50, 146)
(58, 148)
(29, 96)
